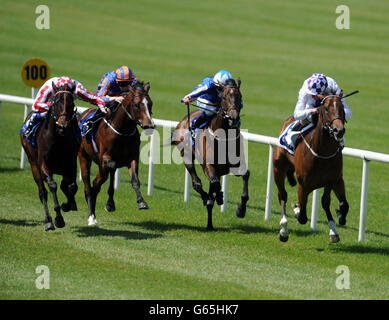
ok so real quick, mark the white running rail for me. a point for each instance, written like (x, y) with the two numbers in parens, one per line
(365, 155)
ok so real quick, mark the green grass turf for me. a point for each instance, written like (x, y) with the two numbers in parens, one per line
(165, 252)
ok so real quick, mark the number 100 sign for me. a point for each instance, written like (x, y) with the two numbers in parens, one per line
(35, 72)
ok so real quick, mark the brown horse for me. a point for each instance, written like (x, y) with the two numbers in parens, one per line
(318, 163)
(216, 149)
(117, 140)
(57, 143)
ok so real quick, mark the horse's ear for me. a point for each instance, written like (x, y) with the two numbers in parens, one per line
(320, 96)
(341, 94)
(55, 88)
(147, 87)
(238, 82)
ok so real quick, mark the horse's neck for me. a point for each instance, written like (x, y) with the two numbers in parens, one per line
(217, 123)
(121, 120)
(322, 142)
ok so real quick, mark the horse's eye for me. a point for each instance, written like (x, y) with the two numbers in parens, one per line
(326, 109)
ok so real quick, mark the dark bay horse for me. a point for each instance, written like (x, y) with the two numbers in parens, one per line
(318, 163)
(57, 143)
(117, 140)
(218, 149)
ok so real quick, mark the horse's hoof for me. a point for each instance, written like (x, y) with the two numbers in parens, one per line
(283, 238)
(59, 222)
(49, 226)
(302, 220)
(342, 219)
(110, 207)
(142, 205)
(240, 211)
(65, 207)
(92, 221)
(334, 238)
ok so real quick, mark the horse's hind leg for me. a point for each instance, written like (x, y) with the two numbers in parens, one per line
(133, 171)
(241, 209)
(325, 202)
(110, 205)
(340, 193)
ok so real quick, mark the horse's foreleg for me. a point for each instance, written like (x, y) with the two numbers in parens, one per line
(279, 177)
(196, 182)
(214, 188)
(325, 203)
(59, 221)
(70, 190)
(133, 171)
(85, 165)
(241, 210)
(110, 205)
(301, 210)
(340, 193)
(101, 177)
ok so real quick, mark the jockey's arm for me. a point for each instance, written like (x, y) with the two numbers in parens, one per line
(87, 96)
(300, 111)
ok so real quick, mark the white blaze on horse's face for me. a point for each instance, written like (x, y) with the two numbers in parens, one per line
(148, 131)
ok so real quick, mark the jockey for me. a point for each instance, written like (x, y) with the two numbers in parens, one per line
(43, 101)
(307, 108)
(207, 96)
(111, 86)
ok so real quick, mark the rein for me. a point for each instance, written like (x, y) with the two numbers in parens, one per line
(327, 126)
(128, 115)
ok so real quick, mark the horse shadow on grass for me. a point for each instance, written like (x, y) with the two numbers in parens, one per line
(95, 231)
(162, 227)
(21, 223)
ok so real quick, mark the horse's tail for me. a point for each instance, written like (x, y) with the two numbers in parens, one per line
(291, 179)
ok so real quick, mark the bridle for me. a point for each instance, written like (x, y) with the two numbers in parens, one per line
(224, 111)
(128, 114)
(55, 115)
(327, 125)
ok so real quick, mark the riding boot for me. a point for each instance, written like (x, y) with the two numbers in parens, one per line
(32, 122)
(90, 124)
(199, 121)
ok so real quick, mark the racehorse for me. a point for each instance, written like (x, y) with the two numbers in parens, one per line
(57, 143)
(116, 144)
(213, 148)
(318, 162)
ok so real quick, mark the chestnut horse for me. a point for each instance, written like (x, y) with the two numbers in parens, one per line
(57, 143)
(318, 163)
(214, 147)
(117, 140)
